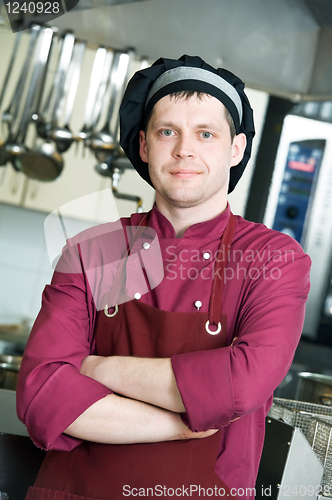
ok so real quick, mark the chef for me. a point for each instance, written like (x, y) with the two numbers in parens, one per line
(152, 364)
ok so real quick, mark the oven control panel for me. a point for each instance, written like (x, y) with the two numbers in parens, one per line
(298, 186)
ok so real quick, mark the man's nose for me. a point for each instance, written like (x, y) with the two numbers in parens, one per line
(184, 147)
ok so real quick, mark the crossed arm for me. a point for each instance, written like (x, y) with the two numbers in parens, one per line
(148, 412)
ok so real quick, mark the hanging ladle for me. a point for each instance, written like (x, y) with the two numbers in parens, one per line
(42, 116)
(11, 115)
(44, 163)
(117, 158)
(95, 78)
(54, 103)
(103, 94)
(30, 162)
(103, 142)
(60, 88)
(115, 164)
(63, 136)
(41, 53)
(9, 70)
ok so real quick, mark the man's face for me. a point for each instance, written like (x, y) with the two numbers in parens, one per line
(189, 151)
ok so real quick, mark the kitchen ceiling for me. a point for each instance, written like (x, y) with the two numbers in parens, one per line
(280, 46)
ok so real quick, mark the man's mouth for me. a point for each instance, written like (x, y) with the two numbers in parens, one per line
(184, 173)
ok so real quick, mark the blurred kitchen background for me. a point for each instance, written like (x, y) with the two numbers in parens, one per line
(61, 169)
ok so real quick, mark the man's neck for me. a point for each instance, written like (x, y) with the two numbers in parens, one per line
(182, 218)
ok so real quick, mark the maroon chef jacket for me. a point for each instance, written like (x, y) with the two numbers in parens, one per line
(180, 467)
(265, 290)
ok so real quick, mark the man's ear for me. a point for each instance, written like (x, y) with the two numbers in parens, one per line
(142, 146)
(238, 148)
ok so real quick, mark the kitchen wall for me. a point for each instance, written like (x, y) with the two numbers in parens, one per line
(25, 266)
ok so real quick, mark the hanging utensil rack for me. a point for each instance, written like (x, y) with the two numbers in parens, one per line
(54, 101)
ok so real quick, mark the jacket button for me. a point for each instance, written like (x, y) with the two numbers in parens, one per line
(206, 255)
(137, 295)
(146, 245)
(198, 304)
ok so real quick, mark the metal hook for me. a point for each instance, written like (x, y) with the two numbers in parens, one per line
(211, 332)
(116, 309)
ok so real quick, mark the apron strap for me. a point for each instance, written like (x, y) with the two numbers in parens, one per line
(120, 275)
(219, 270)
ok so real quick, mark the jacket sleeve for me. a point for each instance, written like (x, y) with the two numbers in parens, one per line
(51, 392)
(220, 385)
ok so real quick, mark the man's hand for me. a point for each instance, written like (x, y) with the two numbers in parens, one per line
(150, 380)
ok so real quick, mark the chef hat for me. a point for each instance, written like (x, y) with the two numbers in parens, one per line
(166, 76)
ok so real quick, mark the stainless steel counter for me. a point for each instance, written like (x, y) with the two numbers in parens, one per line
(9, 422)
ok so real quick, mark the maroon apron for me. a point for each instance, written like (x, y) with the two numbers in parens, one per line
(106, 471)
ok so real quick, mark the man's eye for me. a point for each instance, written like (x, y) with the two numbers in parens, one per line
(167, 132)
(206, 135)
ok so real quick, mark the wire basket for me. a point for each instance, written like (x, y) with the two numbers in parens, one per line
(315, 421)
(315, 409)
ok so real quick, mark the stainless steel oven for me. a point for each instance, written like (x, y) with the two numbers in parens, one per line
(300, 203)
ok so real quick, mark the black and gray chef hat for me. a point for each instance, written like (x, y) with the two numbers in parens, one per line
(166, 76)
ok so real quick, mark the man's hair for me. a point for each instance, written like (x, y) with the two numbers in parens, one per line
(187, 94)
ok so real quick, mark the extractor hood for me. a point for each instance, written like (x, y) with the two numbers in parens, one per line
(93, 4)
(283, 47)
